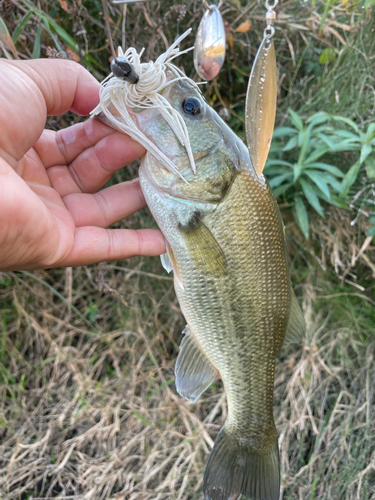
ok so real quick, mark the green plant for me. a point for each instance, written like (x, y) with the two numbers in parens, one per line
(352, 140)
(296, 170)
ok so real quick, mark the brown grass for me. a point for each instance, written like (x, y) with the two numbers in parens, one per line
(91, 412)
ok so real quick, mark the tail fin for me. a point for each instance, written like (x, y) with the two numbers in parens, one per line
(233, 470)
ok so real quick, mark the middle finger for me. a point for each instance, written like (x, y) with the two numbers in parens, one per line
(82, 158)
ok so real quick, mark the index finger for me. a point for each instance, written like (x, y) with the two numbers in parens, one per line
(31, 90)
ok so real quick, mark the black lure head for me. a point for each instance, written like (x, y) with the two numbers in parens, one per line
(122, 68)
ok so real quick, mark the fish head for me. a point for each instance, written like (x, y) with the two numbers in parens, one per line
(201, 154)
(216, 153)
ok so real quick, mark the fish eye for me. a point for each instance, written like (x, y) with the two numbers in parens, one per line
(191, 106)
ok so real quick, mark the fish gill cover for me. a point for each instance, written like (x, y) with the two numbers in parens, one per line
(154, 77)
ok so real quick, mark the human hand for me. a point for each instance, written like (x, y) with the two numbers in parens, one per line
(50, 211)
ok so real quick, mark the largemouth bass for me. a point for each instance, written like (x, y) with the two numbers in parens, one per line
(226, 246)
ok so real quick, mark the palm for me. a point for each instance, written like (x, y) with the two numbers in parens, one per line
(51, 213)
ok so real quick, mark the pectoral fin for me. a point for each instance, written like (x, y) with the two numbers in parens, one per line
(194, 373)
(203, 246)
(296, 326)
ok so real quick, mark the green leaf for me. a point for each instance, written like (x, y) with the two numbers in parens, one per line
(311, 196)
(328, 55)
(325, 166)
(372, 219)
(8, 39)
(291, 144)
(370, 132)
(350, 177)
(281, 189)
(301, 217)
(21, 25)
(278, 162)
(371, 231)
(365, 151)
(316, 154)
(370, 167)
(334, 200)
(347, 121)
(89, 61)
(282, 132)
(304, 145)
(297, 170)
(296, 119)
(347, 135)
(318, 118)
(272, 171)
(318, 179)
(333, 182)
(328, 141)
(279, 179)
(36, 49)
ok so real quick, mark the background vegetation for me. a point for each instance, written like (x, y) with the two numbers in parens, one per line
(88, 407)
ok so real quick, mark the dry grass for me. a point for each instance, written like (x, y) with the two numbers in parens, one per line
(91, 412)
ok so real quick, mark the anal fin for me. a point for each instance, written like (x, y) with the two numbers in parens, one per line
(296, 325)
(194, 372)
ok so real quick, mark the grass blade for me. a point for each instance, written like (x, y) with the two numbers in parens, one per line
(55, 292)
(3, 336)
(6, 38)
(36, 49)
(55, 41)
(21, 25)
